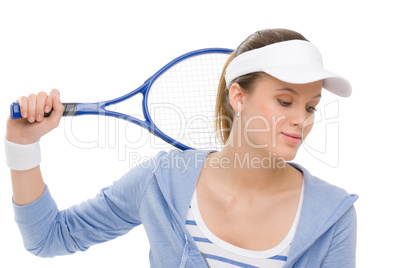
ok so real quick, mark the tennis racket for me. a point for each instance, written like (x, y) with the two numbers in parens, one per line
(178, 101)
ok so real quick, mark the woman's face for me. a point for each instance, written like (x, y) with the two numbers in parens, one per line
(277, 116)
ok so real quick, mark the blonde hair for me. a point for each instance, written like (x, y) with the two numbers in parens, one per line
(224, 112)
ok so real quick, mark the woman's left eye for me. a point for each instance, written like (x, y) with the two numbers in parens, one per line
(311, 109)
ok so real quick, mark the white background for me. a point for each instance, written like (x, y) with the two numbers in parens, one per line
(97, 50)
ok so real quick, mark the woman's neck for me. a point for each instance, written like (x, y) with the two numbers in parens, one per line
(251, 172)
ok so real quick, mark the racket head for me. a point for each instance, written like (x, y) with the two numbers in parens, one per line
(179, 101)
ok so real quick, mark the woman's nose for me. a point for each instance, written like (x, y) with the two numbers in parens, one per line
(299, 118)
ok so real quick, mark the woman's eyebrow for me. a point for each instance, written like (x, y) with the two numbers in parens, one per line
(318, 96)
(288, 89)
(295, 92)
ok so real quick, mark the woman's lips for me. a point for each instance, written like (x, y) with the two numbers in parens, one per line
(292, 137)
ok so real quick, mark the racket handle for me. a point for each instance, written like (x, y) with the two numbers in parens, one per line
(70, 109)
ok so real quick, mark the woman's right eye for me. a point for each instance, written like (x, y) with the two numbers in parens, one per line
(284, 103)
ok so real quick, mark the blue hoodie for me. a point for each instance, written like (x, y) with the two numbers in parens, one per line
(157, 194)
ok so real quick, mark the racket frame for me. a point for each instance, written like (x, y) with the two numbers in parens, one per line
(99, 108)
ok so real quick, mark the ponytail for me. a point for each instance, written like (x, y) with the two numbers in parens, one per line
(223, 110)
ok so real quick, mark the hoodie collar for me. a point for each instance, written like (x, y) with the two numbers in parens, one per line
(323, 205)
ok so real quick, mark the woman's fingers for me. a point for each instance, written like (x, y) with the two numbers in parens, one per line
(31, 108)
(40, 105)
(35, 106)
(23, 101)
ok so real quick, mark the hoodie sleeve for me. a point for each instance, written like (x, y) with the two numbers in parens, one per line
(342, 251)
(48, 232)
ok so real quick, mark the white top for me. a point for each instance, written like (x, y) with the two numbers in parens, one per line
(219, 253)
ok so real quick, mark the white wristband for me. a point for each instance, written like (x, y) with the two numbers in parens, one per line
(22, 157)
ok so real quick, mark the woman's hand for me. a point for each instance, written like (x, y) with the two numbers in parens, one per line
(33, 125)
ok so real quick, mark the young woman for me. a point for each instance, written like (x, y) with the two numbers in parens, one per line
(243, 206)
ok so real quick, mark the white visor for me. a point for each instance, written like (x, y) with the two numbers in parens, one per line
(295, 62)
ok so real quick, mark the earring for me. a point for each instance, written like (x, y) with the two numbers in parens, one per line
(237, 117)
(238, 111)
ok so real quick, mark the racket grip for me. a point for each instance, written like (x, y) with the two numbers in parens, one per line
(70, 109)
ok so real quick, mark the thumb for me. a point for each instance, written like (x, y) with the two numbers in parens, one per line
(58, 107)
(57, 113)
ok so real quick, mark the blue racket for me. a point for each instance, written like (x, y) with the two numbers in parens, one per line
(178, 101)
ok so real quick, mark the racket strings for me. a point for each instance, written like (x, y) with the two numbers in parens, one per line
(182, 100)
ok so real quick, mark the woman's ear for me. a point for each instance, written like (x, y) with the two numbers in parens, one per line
(236, 95)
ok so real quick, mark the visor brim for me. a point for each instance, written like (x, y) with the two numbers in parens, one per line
(303, 74)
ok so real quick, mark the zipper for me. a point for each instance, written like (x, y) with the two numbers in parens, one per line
(205, 260)
(184, 254)
(177, 222)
